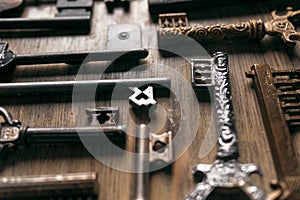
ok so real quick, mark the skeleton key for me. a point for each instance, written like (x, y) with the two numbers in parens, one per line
(71, 186)
(13, 133)
(280, 26)
(62, 87)
(74, 15)
(226, 177)
(9, 60)
(146, 142)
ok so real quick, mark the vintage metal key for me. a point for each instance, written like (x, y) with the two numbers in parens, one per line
(281, 26)
(74, 15)
(13, 133)
(226, 177)
(9, 60)
(73, 186)
(146, 142)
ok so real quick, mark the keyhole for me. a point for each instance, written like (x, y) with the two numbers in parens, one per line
(159, 146)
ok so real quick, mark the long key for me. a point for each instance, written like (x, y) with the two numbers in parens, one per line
(59, 186)
(74, 15)
(160, 85)
(13, 133)
(280, 26)
(226, 177)
(9, 60)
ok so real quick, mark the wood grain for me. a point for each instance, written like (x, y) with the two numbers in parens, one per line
(57, 110)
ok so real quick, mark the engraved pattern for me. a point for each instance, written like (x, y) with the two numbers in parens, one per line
(226, 172)
(252, 29)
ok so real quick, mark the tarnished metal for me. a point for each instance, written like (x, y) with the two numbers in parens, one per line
(226, 176)
(173, 20)
(62, 87)
(9, 60)
(280, 25)
(13, 133)
(58, 186)
(75, 15)
(278, 95)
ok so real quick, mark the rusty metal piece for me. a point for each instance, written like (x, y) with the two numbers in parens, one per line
(280, 26)
(173, 20)
(278, 95)
(58, 186)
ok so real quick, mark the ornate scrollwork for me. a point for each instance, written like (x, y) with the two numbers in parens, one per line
(252, 29)
(226, 174)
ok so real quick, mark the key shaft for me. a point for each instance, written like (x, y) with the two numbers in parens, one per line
(33, 88)
(71, 134)
(69, 185)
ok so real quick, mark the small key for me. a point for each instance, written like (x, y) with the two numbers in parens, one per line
(13, 133)
(73, 186)
(280, 26)
(9, 60)
(74, 15)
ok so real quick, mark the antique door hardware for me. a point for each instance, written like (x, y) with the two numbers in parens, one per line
(151, 147)
(13, 133)
(226, 175)
(58, 186)
(278, 96)
(9, 60)
(280, 25)
(173, 20)
(75, 15)
(160, 86)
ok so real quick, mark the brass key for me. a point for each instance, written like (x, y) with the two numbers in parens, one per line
(280, 26)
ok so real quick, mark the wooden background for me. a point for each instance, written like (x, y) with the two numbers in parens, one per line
(56, 111)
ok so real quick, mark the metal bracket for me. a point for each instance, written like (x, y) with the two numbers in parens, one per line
(124, 37)
(103, 116)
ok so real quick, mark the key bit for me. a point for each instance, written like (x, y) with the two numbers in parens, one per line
(13, 133)
(9, 60)
(53, 186)
(281, 26)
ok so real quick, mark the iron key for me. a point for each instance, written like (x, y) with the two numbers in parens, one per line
(280, 26)
(13, 133)
(9, 60)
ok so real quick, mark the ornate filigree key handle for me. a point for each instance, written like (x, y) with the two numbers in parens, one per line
(226, 176)
(280, 25)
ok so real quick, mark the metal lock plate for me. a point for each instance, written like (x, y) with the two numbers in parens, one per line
(202, 72)
(124, 37)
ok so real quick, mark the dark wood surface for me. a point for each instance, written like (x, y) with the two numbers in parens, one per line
(57, 110)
